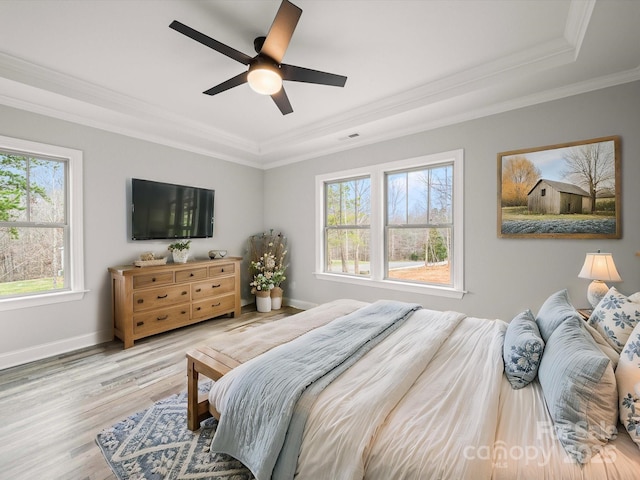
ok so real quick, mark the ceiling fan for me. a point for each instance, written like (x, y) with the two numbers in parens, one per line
(266, 72)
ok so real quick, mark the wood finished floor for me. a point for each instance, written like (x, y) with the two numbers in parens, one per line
(51, 410)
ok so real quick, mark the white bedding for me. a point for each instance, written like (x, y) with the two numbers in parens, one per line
(534, 453)
(431, 401)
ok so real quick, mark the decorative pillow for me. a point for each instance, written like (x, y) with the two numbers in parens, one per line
(615, 317)
(628, 378)
(579, 387)
(555, 310)
(635, 297)
(522, 350)
(603, 345)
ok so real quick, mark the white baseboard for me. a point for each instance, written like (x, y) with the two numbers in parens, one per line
(301, 304)
(38, 352)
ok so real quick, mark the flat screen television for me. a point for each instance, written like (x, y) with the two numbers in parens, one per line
(167, 211)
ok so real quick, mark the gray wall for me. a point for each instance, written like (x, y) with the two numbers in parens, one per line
(502, 276)
(110, 161)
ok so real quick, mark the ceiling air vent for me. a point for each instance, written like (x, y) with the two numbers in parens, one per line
(350, 137)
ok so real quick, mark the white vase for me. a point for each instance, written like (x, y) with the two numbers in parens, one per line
(263, 302)
(180, 256)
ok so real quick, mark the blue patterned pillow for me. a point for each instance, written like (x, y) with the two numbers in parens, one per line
(522, 350)
(555, 310)
(615, 317)
(628, 378)
(579, 387)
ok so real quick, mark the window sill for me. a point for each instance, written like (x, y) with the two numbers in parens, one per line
(41, 299)
(448, 292)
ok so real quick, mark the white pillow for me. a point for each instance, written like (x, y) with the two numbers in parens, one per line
(628, 379)
(615, 317)
(635, 297)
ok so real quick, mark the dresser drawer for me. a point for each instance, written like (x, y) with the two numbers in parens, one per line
(150, 279)
(161, 320)
(213, 307)
(224, 269)
(210, 288)
(191, 275)
(160, 297)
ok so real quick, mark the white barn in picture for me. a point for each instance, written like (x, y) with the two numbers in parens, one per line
(552, 197)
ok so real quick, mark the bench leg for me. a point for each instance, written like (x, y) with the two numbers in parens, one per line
(192, 396)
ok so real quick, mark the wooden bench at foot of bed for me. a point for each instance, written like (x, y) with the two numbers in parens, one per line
(212, 364)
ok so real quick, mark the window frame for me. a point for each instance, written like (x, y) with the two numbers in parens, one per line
(341, 226)
(377, 174)
(74, 197)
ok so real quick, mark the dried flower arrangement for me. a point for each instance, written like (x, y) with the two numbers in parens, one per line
(267, 253)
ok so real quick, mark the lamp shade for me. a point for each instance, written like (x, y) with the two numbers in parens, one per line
(600, 266)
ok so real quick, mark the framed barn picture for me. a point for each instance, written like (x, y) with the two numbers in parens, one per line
(570, 190)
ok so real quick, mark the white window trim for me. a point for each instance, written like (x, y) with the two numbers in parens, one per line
(377, 175)
(76, 255)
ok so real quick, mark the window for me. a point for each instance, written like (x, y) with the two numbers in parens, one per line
(419, 224)
(397, 225)
(41, 254)
(347, 220)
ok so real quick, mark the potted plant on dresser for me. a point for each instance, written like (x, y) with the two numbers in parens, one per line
(180, 251)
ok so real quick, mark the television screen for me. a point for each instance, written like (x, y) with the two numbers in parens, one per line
(165, 211)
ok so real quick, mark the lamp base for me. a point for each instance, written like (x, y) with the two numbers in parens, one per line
(596, 292)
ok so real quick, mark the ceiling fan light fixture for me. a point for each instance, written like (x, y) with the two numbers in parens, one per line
(266, 72)
(264, 78)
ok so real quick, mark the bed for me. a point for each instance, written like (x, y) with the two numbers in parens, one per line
(429, 400)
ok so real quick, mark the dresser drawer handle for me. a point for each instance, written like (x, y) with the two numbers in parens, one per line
(215, 286)
(198, 290)
(163, 296)
(191, 274)
(139, 324)
(153, 279)
(140, 300)
(163, 318)
(198, 308)
(217, 304)
(184, 293)
(222, 270)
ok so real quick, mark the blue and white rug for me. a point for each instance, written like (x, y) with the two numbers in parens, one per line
(157, 445)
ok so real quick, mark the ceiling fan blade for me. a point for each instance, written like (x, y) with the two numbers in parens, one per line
(281, 31)
(232, 82)
(282, 101)
(210, 42)
(300, 74)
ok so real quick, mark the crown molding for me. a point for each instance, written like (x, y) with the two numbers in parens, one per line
(580, 12)
(382, 133)
(551, 54)
(46, 79)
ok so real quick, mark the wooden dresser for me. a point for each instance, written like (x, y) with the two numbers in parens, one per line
(150, 300)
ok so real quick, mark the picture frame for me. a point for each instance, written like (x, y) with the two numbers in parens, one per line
(569, 190)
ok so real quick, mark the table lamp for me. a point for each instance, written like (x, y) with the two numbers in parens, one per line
(599, 267)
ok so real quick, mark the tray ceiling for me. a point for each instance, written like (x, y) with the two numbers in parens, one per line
(411, 66)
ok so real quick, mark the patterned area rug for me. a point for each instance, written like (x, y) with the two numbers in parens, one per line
(157, 445)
